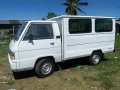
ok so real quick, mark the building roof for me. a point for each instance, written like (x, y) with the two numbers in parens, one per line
(12, 21)
(117, 21)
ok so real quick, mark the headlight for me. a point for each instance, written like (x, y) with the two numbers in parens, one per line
(12, 54)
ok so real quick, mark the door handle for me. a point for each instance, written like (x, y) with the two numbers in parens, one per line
(52, 43)
(57, 37)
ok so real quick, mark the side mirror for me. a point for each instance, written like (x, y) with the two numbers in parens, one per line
(30, 38)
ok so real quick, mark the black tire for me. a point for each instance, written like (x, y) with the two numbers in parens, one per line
(95, 58)
(44, 67)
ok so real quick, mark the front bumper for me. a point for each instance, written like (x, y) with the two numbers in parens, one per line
(13, 64)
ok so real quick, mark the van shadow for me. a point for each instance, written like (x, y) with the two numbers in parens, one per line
(71, 63)
(59, 66)
(23, 74)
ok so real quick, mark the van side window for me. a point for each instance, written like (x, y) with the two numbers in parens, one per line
(39, 31)
(103, 25)
(77, 26)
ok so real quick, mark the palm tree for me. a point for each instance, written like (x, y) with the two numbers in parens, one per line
(72, 6)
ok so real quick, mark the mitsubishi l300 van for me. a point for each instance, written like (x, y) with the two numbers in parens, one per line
(40, 44)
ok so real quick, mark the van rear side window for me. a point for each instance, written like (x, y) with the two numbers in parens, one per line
(39, 31)
(103, 25)
(77, 26)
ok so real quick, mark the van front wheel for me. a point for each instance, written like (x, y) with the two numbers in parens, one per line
(95, 58)
(44, 67)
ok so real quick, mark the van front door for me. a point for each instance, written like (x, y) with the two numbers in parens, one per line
(38, 41)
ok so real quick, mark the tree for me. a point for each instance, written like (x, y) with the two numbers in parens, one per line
(50, 15)
(72, 6)
(43, 18)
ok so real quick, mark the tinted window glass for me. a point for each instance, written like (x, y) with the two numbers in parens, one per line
(17, 36)
(103, 25)
(39, 31)
(79, 26)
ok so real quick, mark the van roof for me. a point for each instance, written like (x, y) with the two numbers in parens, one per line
(40, 21)
(51, 20)
(76, 16)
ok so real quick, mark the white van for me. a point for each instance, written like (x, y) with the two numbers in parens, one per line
(40, 44)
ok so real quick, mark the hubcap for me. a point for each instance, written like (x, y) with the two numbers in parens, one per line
(46, 68)
(95, 58)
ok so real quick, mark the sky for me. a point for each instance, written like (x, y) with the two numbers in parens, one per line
(36, 9)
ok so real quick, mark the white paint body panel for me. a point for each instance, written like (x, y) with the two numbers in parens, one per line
(80, 45)
(67, 47)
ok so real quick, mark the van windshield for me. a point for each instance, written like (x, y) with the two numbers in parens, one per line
(17, 36)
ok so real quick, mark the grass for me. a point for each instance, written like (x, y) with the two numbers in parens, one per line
(105, 76)
(117, 43)
(74, 81)
(109, 71)
(3, 50)
(3, 53)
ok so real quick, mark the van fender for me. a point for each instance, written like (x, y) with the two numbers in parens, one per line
(99, 50)
(42, 57)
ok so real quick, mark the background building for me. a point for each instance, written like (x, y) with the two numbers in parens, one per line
(9, 27)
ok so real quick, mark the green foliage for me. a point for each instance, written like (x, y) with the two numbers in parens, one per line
(50, 15)
(107, 81)
(11, 81)
(72, 6)
(117, 43)
(3, 49)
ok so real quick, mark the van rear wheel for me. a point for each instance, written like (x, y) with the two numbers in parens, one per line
(95, 58)
(44, 67)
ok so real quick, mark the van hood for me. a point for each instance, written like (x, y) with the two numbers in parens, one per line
(13, 45)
